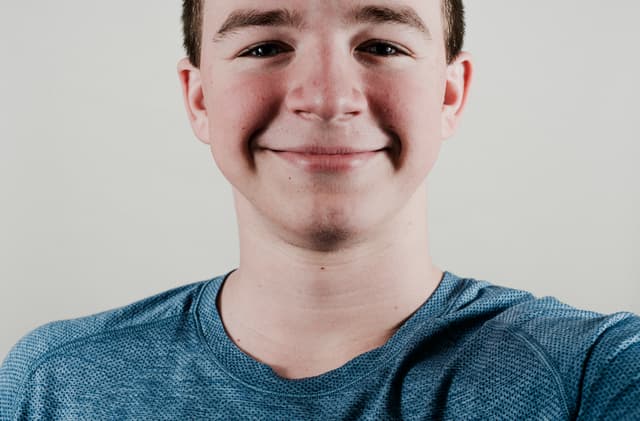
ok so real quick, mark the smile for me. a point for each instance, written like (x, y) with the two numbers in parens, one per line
(328, 162)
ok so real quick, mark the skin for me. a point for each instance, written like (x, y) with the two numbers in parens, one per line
(331, 262)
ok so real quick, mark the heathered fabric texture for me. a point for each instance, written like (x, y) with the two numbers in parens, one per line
(472, 351)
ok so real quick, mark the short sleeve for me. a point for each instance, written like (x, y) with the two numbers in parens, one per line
(611, 377)
(16, 368)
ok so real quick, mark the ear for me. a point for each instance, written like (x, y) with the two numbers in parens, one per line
(191, 83)
(458, 80)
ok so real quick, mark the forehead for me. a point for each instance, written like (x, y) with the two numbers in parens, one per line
(226, 17)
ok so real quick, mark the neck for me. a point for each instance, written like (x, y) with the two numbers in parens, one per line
(286, 304)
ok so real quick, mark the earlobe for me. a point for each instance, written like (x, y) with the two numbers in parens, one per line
(191, 83)
(458, 80)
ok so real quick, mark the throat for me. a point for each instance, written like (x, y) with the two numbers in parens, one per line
(299, 338)
(296, 350)
(303, 357)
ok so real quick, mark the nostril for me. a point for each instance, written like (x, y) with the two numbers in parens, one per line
(307, 115)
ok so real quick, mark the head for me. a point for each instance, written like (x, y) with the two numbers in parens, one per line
(264, 80)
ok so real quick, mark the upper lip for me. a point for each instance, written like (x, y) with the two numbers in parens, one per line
(327, 150)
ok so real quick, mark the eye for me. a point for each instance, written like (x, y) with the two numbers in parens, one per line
(271, 49)
(264, 50)
(381, 48)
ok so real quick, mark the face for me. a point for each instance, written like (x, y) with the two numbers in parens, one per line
(327, 124)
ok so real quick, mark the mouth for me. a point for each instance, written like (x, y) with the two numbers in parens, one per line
(328, 160)
(325, 150)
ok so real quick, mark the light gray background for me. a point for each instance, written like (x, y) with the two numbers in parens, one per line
(107, 197)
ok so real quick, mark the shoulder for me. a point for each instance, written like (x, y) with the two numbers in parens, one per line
(47, 341)
(593, 358)
(596, 357)
(555, 325)
(568, 334)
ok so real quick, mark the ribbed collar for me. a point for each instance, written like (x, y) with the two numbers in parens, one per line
(257, 375)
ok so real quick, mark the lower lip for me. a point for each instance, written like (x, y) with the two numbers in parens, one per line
(328, 163)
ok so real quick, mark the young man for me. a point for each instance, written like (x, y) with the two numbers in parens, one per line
(326, 116)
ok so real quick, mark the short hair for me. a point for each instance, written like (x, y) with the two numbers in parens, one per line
(452, 13)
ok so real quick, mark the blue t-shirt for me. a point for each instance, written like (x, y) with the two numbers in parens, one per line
(472, 351)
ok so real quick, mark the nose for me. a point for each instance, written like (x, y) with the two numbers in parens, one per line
(325, 85)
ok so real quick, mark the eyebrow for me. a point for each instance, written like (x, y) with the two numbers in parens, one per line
(401, 15)
(246, 18)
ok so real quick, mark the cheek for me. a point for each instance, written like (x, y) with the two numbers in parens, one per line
(410, 105)
(238, 107)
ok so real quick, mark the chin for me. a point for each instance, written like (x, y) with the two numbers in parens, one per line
(327, 239)
(332, 232)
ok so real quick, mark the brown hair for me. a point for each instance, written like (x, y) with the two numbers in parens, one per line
(452, 12)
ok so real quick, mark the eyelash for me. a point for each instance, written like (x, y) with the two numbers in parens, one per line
(247, 52)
